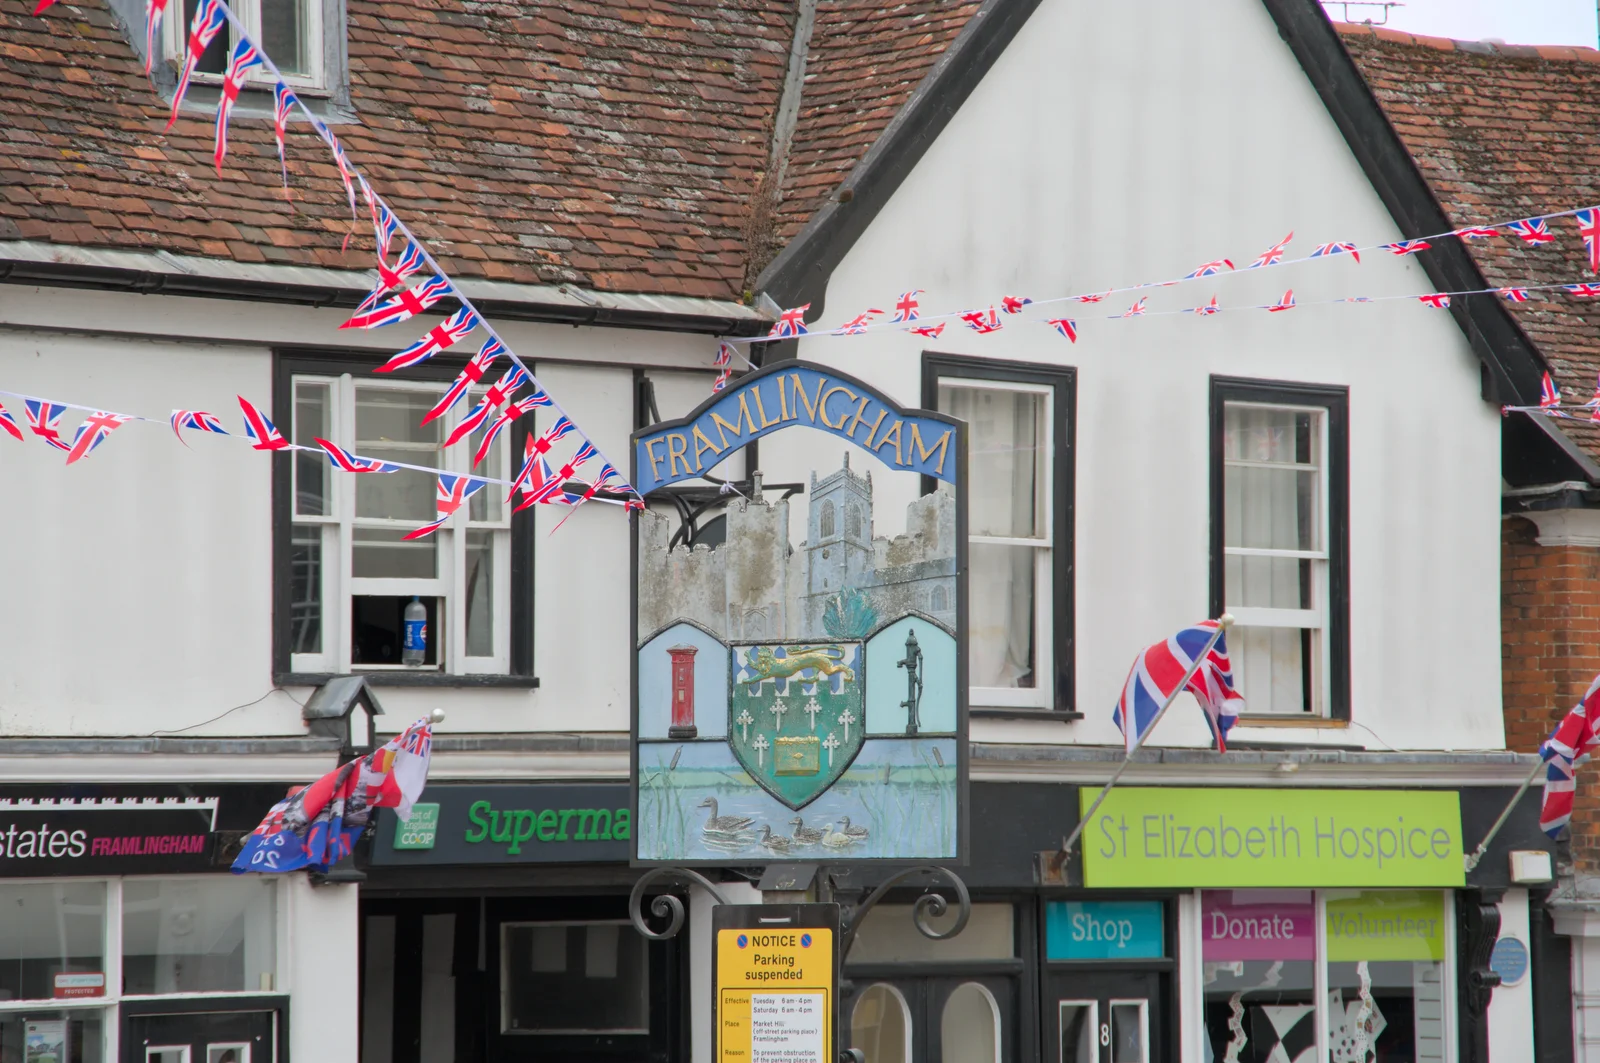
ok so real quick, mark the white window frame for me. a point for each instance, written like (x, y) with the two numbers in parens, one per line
(175, 43)
(339, 585)
(1042, 694)
(1319, 617)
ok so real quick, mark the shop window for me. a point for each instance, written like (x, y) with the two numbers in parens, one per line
(880, 1025)
(969, 1028)
(76, 1036)
(889, 935)
(46, 930)
(573, 978)
(198, 935)
(1386, 974)
(1259, 957)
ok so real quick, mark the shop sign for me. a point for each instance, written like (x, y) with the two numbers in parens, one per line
(1246, 926)
(105, 836)
(509, 824)
(776, 978)
(1386, 925)
(1104, 930)
(1172, 837)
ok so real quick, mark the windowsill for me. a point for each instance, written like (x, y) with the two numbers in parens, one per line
(409, 679)
(996, 712)
(1263, 719)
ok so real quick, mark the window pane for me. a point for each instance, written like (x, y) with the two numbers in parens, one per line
(1079, 1041)
(198, 935)
(305, 589)
(888, 935)
(283, 34)
(1127, 1032)
(1385, 975)
(313, 412)
(48, 929)
(389, 427)
(1005, 458)
(1001, 615)
(573, 978)
(1270, 582)
(377, 629)
(1278, 667)
(878, 1025)
(384, 553)
(215, 60)
(74, 1036)
(969, 1027)
(1272, 508)
(480, 593)
(1258, 951)
(1262, 433)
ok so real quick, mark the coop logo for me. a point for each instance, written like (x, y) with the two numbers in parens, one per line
(514, 827)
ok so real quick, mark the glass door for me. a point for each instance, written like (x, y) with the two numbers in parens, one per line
(1102, 1016)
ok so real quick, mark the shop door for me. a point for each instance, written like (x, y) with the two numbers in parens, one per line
(201, 1037)
(951, 1019)
(1103, 1017)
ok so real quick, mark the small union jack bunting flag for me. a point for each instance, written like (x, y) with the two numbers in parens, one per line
(198, 420)
(1588, 221)
(537, 484)
(44, 420)
(1549, 393)
(341, 458)
(93, 431)
(498, 395)
(556, 480)
(1336, 248)
(1137, 309)
(1013, 304)
(259, 430)
(153, 10)
(1207, 269)
(410, 262)
(451, 492)
(346, 174)
(1285, 303)
(1066, 326)
(474, 372)
(722, 380)
(441, 337)
(1407, 247)
(905, 307)
(385, 226)
(982, 321)
(1583, 291)
(245, 55)
(1438, 300)
(929, 331)
(1208, 309)
(1356, 299)
(724, 354)
(1271, 255)
(403, 306)
(1514, 295)
(1476, 232)
(510, 413)
(790, 323)
(8, 424)
(856, 325)
(284, 102)
(209, 19)
(1533, 231)
(1093, 298)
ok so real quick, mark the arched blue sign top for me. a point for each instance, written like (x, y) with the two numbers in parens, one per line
(782, 396)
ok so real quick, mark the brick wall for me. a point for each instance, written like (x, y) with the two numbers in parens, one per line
(1550, 649)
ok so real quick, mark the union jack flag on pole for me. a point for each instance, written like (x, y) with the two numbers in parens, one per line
(450, 493)
(209, 18)
(905, 307)
(245, 55)
(1196, 660)
(441, 337)
(44, 420)
(93, 431)
(198, 420)
(1574, 739)
(1271, 255)
(404, 306)
(498, 395)
(1588, 221)
(790, 323)
(341, 458)
(8, 424)
(258, 429)
(474, 372)
(1533, 231)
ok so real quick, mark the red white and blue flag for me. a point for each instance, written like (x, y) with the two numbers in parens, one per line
(316, 826)
(1476, 232)
(410, 261)
(474, 372)
(721, 381)
(512, 411)
(906, 307)
(498, 394)
(385, 226)
(1588, 221)
(856, 325)
(1066, 326)
(724, 354)
(1569, 746)
(982, 321)
(1271, 255)
(44, 421)
(1437, 300)
(1208, 269)
(1515, 295)
(1208, 309)
(284, 102)
(790, 323)
(1158, 670)
(259, 430)
(1093, 298)
(1336, 248)
(451, 492)
(209, 19)
(8, 424)
(1285, 303)
(1137, 309)
(404, 306)
(245, 55)
(153, 10)
(1013, 304)
(1583, 291)
(346, 174)
(930, 331)
(1407, 247)
(1549, 393)
(441, 337)
(1533, 231)
(93, 431)
(198, 420)
(341, 458)
(535, 450)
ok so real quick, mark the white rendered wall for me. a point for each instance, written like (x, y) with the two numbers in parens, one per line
(1115, 144)
(324, 971)
(1511, 1007)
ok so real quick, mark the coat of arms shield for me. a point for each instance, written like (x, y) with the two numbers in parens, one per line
(795, 715)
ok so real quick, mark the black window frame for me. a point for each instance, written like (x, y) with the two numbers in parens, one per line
(1335, 399)
(1063, 382)
(287, 364)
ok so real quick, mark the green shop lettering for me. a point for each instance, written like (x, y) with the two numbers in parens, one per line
(513, 827)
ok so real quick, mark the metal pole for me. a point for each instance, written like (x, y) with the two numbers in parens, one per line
(1224, 622)
(1476, 855)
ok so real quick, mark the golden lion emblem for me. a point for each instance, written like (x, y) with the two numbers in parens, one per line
(827, 660)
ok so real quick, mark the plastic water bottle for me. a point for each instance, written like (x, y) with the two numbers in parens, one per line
(414, 647)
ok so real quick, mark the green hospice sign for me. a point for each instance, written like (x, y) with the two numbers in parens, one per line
(1147, 836)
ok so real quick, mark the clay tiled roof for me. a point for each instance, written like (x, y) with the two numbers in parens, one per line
(1504, 132)
(612, 144)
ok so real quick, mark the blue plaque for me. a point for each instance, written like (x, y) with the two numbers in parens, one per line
(1509, 960)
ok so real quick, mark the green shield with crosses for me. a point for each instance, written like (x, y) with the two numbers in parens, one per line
(795, 718)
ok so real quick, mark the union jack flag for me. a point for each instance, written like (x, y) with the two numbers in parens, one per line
(1286, 303)
(982, 321)
(44, 419)
(209, 18)
(1574, 739)
(472, 374)
(451, 492)
(1476, 232)
(930, 331)
(403, 306)
(93, 431)
(1336, 249)
(510, 413)
(1207, 269)
(1207, 310)
(411, 261)
(153, 10)
(535, 449)
(1157, 673)
(1012, 304)
(1588, 221)
(1549, 393)
(1407, 247)
(1093, 298)
(722, 380)
(534, 477)
(1532, 230)
(245, 55)
(1271, 255)
(498, 395)
(724, 354)
(1066, 326)
(598, 484)
(905, 307)
(441, 337)
(1585, 291)
(8, 423)
(198, 420)
(385, 226)
(856, 325)
(790, 323)
(1137, 309)
(1356, 299)
(346, 174)
(1438, 300)
(284, 102)
(259, 430)
(341, 458)
(555, 482)
(1514, 295)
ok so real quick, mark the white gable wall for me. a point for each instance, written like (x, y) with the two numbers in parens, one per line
(1119, 143)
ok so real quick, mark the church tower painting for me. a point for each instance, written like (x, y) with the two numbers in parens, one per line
(839, 537)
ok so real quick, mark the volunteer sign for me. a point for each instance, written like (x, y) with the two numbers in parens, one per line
(1250, 837)
(776, 976)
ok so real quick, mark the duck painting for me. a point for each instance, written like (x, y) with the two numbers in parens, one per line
(716, 824)
(858, 833)
(804, 835)
(776, 843)
(835, 839)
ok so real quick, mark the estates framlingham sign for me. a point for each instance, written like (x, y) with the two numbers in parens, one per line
(1215, 837)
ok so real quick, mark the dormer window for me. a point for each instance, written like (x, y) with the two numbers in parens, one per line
(289, 31)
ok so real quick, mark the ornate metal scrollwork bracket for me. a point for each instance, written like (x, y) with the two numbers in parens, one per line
(666, 906)
(929, 905)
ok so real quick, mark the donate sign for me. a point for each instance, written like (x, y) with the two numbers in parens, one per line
(1104, 930)
(1143, 837)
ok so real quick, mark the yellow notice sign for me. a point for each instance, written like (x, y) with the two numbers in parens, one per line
(775, 995)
